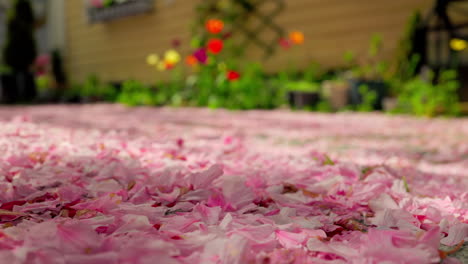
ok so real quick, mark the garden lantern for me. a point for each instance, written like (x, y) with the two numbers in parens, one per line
(443, 39)
(447, 33)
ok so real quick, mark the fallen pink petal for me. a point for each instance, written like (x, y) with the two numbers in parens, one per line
(233, 132)
(108, 189)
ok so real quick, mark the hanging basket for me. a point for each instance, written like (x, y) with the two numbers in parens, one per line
(125, 9)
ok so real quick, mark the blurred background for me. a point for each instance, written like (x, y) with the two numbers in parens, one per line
(400, 56)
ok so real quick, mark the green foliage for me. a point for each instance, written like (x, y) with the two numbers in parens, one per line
(428, 98)
(328, 161)
(349, 57)
(397, 81)
(324, 106)
(172, 92)
(369, 98)
(406, 60)
(303, 86)
(313, 73)
(108, 3)
(208, 88)
(93, 88)
(252, 91)
(370, 67)
(136, 93)
(42, 83)
(405, 183)
(20, 50)
(4, 69)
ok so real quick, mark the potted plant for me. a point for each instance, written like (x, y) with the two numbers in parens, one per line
(336, 91)
(19, 54)
(369, 73)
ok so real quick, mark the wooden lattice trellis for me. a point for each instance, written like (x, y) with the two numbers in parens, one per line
(242, 11)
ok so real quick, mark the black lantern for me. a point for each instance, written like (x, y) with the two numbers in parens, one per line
(447, 33)
(443, 39)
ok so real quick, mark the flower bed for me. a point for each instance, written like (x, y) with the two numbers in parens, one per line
(107, 184)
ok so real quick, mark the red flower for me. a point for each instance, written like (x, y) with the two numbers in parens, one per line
(227, 35)
(215, 46)
(169, 66)
(214, 26)
(232, 75)
(285, 43)
(176, 43)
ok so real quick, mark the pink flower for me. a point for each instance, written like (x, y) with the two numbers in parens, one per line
(285, 43)
(201, 55)
(97, 3)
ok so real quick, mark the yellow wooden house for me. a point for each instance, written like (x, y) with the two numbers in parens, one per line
(116, 50)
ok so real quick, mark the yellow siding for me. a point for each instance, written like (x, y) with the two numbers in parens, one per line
(116, 50)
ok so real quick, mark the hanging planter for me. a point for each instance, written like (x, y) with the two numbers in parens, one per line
(117, 9)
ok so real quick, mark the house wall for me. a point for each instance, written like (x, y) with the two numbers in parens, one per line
(56, 24)
(116, 50)
(41, 12)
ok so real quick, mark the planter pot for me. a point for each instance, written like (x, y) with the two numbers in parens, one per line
(336, 93)
(390, 103)
(117, 11)
(90, 99)
(46, 95)
(18, 87)
(9, 89)
(299, 99)
(70, 99)
(379, 87)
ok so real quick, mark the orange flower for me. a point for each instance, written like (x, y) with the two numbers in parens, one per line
(296, 37)
(215, 46)
(191, 60)
(214, 26)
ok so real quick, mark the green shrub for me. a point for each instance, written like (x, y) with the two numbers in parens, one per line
(369, 98)
(303, 86)
(94, 89)
(428, 98)
(135, 93)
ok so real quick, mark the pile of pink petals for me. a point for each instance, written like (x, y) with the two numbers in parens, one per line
(107, 184)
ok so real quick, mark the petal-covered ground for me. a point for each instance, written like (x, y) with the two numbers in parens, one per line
(108, 184)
